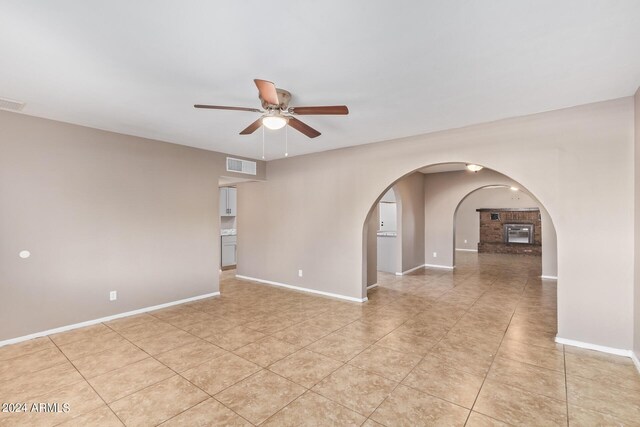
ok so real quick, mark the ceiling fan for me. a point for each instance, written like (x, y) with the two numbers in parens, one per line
(277, 113)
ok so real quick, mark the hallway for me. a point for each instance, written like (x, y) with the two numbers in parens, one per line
(473, 346)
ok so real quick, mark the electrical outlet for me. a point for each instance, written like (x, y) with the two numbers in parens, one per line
(435, 254)
(299, 273)
(465, 240)
(113, 295)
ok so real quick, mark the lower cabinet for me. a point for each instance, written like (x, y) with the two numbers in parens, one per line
(229, 250)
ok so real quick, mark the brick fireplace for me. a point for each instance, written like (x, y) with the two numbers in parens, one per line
(510, 231)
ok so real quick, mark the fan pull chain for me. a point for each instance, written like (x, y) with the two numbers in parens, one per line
(262, 142)
(286, 141)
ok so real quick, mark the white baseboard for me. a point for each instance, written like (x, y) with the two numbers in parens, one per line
(298, 288)
(466, 250)
(375, 285)
(410, 270)
(549, 277)
(596, 347)
(444, 267)
(104, 319)
(636, 362)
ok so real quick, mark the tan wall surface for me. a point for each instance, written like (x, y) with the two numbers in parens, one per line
(101, 211)
(310, 214)
(410, 192)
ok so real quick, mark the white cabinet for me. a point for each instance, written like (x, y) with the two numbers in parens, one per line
(229, 250)
(388, 217)
(228, 197)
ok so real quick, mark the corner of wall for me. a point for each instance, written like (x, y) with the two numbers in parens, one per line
(636, 266)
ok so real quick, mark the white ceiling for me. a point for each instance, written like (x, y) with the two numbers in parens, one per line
(403, 68)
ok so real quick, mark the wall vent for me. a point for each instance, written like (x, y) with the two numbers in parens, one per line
(241, 166)
(11, 105)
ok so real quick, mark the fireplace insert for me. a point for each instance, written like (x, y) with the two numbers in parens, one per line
(518, 233)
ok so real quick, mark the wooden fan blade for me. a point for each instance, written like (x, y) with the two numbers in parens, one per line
(329, 109)
(302, 127)
(252, 127)
(222, 107)
(267, 91)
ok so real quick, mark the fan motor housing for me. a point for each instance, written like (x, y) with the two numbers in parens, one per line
(284, 96)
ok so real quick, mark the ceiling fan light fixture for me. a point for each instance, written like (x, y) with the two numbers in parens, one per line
(274, 122)
(474, 168)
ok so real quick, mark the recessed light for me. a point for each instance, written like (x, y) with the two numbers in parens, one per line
(474, 168)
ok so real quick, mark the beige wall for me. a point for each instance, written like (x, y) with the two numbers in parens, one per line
(371, 248)
(637, 226)
(410, 193)
(310, 214)
(100, 211)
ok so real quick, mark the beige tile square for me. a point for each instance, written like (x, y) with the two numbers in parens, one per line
(146, 329)
(412, 408)
(189, 318)
(385, 362)
(79, 396)
(234, 338)
(542, 381)
(38, 383)
(93, 345)
(266, 351)
(301, 334)
(312, 410)
(518, 407)
(305, 367)
(480, 420)
(616, 401)
(129, 321)
(79, 334)
(338, 347)
(218, 374)
(435, 377)
(270, 325)
(165, 314)
(31, 362)
(584, 417)
(122, 354)
(124, 381)
(617, 371)
(25, 347)
(211, 326)
(366, 332)
(359, 390)
(165, 342)
(260, 396)
(190, 355)
(159, 402)
(102, 417)
(406, 343)
(544, 357)
(209, 413)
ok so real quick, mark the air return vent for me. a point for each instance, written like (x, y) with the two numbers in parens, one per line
(241, 166)
(11, 105)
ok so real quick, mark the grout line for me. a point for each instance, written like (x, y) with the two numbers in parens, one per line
(566, 386)
(90, 385)
(178, 374)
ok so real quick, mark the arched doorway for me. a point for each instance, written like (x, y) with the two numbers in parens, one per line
(444, 188)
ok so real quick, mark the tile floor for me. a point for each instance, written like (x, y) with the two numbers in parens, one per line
(474, 347)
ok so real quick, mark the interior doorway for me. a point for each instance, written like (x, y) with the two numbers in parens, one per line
(433, 195)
